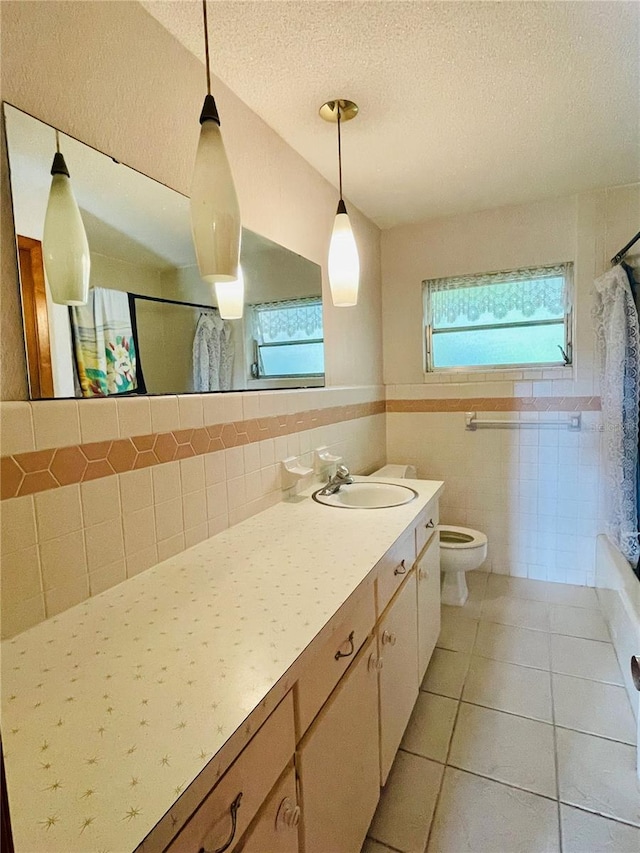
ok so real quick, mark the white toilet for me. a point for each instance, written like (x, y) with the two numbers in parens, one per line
(461, 550)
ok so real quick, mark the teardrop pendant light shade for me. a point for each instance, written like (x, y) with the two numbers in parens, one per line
(215, 213)
(65, 249)
(230, 297)
(343, 262)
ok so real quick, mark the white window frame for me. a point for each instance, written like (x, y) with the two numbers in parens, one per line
(256, 374)
(431, 369)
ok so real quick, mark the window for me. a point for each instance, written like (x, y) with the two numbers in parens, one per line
(520, 318)
(287, 339)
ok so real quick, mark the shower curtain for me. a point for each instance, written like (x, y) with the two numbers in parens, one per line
(618, 340)
(212, 353)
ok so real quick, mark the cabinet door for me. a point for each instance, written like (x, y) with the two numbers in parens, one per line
(428, 571)
(398, 653)
(275, 830)
(337, 762)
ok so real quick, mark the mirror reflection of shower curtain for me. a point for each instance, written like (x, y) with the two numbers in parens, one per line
(618, 340)
(213, 353)
(103, 344)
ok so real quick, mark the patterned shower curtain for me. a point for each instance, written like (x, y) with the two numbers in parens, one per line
(617, 331)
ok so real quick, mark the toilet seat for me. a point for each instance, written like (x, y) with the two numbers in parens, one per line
(460, 538)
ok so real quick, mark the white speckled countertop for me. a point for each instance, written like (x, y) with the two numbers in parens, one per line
(112, 709)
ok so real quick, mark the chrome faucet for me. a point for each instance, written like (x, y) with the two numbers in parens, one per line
(342, 477)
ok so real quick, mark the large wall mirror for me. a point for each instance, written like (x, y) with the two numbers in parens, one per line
(151, 325)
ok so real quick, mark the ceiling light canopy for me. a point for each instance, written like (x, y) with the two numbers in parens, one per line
(65, 249)
(344, 263)
(215, 213)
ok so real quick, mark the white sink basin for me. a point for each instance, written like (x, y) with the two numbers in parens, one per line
(367, 496)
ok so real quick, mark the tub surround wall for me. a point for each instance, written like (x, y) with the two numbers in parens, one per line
(109, 488)
(538, 494)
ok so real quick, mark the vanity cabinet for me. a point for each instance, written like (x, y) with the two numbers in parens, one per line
(428, 583)
(397, 638)
(275, 829)
(338, 763)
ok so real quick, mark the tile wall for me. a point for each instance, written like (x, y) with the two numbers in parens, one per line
(536, 492)
(81, 530)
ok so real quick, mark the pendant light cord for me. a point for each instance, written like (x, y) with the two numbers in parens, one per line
(339, 151)
(206, 45)
(57, 141)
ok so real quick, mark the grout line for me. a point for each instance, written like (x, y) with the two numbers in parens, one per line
(600, 814)
(594, 734)
(503, 783)
(555, 760)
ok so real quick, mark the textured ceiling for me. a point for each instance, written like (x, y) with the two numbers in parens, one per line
(463, 105)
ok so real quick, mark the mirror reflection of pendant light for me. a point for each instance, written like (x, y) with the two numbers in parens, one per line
(344, 263)
(215, 213)
(65, 250)
(230, 297)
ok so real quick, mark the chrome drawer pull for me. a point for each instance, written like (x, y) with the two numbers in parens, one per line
(401, 569)
(340, 654)
(429, 523)
(233, 811)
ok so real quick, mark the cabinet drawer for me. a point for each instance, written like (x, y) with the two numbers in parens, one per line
(394, 567)
(426, 525)
(275, 829)
(253, 774)
(327, 666)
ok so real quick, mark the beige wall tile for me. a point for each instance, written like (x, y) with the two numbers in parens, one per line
(134, 416)
(196, 534)
(234, 461)
(98, 420)
(56, 423)
(169, 521)
(63, 560)
(164, 414)
(192, 474)
(106, 577)
(214, 468)
(217, 525)
(236, 493)
(58, 511)
(166, 482)
(17, 524)
(170, 547)
(213, 409)
(141, 561)
(136, 490)
(63, 597)
(194, 508)
(100, 500)
(139, 532)
(217, 503)
(17, 616)
(252, 457)
(21, 575)
(16, 428)
(190, 409)
(105, 544)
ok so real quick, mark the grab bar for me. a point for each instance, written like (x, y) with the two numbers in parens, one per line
(573, 423)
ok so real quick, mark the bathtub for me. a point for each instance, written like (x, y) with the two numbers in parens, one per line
(619, 593)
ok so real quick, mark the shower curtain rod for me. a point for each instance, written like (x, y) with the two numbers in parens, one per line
(617, 258)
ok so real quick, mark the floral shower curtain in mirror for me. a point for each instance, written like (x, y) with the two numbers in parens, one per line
(618, 339)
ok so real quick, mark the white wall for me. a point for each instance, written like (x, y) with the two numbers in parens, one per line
(536, 493)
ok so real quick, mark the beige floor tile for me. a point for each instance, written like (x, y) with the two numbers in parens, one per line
(513, 645)
(430, 727)
(476, 815)
(583, 832)
(477, 583)
(518, 612)
(598, 775)
(593, 707)
(457, 632)
(574, 596)
(498, 585)
(585, 659)
(446, 673)
(406, 806)
(371, 846)
(506, 748)
(508, 687)
(578, 622)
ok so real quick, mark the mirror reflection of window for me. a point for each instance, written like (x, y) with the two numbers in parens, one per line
(288, 339)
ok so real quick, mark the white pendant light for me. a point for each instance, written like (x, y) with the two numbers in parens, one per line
(65, 249)
(230, 297)
(215, 213)
(344, 263)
